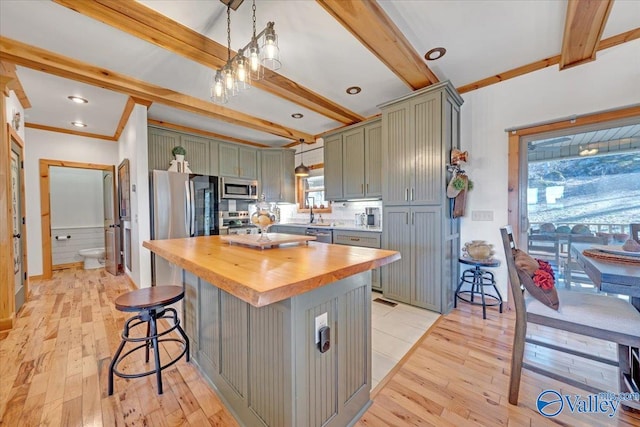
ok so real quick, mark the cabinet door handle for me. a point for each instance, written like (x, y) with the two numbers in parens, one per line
(412, 217)
(406, 218)
(406, 194)
(362, 188)
(367, 187)
(411, 194)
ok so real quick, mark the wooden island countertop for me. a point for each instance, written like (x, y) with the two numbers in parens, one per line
(263, 277)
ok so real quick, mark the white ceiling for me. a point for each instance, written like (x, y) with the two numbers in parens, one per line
(482, 38)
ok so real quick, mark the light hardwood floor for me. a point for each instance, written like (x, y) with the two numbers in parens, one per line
(54, 364)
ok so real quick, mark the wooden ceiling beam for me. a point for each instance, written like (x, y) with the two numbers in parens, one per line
(70, 132)
(9, 69)
(544, 63)
(368, 22)
(52, 63)
(145, 23)
(583, 29)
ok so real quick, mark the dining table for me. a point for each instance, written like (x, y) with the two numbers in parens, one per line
(621, 278)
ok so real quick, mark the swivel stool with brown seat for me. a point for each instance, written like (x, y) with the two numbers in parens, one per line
(151, 305)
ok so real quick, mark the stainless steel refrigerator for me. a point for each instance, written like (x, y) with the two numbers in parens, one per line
(182, 205)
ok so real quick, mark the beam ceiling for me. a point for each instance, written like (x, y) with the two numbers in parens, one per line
(583, 29)
(144, 23)
(49, 62)
(15, 85)
(368, 22)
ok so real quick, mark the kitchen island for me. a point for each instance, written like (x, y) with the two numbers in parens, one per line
(252, 317)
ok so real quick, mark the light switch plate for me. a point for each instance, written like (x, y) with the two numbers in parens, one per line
(481, 215)
(321, 321)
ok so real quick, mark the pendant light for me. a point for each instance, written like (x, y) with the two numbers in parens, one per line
(302, 170)
(249, 63)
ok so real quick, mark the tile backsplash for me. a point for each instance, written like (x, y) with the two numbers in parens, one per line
(343, 213)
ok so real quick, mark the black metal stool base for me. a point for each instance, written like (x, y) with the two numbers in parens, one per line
(478, 279)
(151, 340)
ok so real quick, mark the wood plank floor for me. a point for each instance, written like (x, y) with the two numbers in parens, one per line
(54, 365)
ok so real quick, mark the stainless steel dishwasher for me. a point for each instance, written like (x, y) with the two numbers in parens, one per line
(322, 235)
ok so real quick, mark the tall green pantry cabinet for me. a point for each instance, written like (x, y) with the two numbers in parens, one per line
(418, 133)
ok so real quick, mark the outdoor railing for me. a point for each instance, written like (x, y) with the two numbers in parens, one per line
(594, 227)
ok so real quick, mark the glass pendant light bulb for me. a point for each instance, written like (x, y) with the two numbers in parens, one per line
(256, 71)
(243, 80)
(270, 51)
(229, 80)
(218, 90)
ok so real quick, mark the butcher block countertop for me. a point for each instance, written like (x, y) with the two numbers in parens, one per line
(263, 277)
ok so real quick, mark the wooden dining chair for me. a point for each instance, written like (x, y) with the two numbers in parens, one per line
(592, 315)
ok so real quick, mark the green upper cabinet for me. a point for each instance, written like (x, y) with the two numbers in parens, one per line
(277, 178)
(237, 161)
(353, 163)
(333, 167)
(373, 160)
(418, 134)
(161, 142)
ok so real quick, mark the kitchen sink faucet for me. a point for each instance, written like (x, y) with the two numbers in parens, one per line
(311, 209)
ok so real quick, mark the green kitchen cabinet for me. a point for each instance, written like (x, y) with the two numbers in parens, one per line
(161, 142)
(416, 233)
(238, 161)
(418, 133)
(333, 167)
(353, 163)
(277, 177)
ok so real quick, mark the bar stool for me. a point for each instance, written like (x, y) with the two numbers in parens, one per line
(478, 278)
(150, 303)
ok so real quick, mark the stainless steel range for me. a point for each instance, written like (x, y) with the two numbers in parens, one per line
(238, 222)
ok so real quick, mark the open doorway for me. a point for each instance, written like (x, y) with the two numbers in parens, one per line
(69, 170)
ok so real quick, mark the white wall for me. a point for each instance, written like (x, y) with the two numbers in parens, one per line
(76, 197)
(133, 146)
(41, 144)
(612, 81)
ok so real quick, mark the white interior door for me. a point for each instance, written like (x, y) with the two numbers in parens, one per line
(17, 224)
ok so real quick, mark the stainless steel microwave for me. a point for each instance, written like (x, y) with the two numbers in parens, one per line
(233, 188)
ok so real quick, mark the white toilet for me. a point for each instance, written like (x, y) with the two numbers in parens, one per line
(93, 258)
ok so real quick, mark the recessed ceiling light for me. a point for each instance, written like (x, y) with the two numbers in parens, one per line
(79, 124)
(354, 90)
(77, 99)
(297, 115)
(435, 53)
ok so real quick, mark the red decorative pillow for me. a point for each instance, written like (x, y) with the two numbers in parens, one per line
(541, 283)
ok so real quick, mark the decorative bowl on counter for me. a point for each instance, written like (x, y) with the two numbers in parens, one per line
(479, 250)
(263, 216)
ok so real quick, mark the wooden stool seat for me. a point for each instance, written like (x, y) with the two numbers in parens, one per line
(151, 305)
(146, 298)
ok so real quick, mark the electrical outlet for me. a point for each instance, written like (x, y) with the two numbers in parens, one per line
(321, 321)
(481, 215)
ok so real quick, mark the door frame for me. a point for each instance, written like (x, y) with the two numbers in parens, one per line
(13, 136)
(45, 204)
(517, 188)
